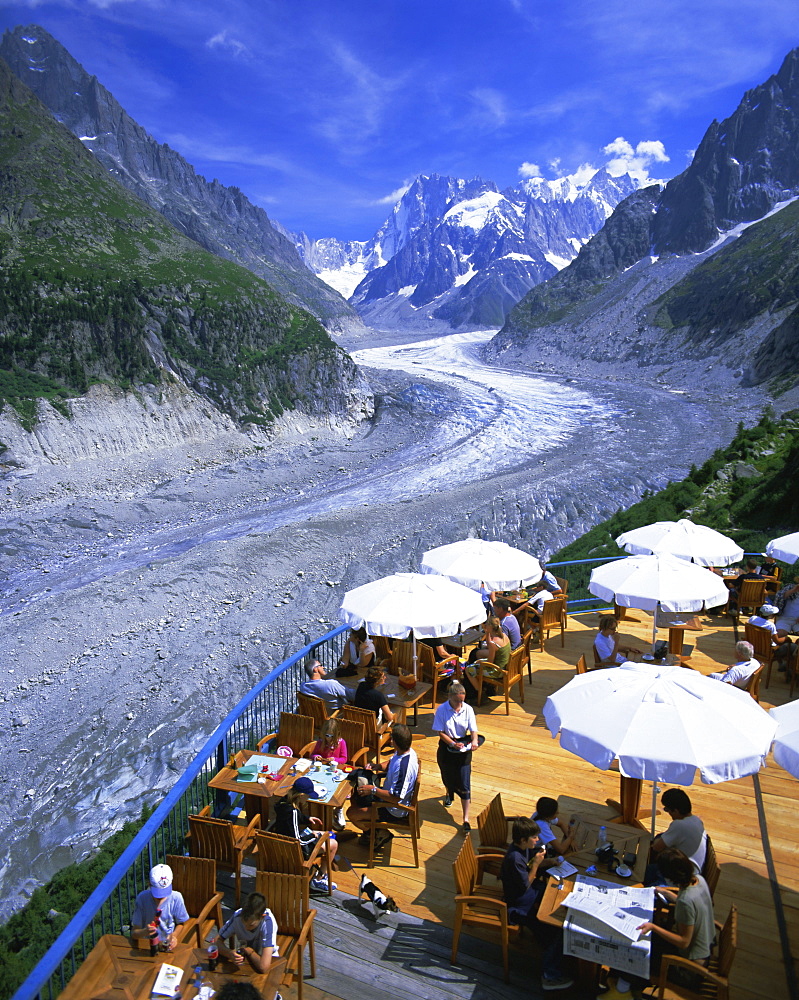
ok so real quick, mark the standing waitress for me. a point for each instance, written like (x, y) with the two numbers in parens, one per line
(456, 726)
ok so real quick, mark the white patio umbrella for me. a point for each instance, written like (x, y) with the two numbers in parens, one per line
(473, 561)
(663, 723)
(430, 606)
(786, 741)
(657, 582)
(785, 548)
(682, 539)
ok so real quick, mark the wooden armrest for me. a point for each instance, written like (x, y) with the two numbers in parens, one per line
(362, 753)
(484, 859)
(307, 927)
(254, 824)
(686, 963)
(262, 742)
(212, 904)
(321, 841)
(307, 748)
(498, 904)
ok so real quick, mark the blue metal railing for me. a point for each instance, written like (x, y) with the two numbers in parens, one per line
(108, 908)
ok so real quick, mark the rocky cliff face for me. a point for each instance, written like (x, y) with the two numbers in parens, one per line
(219, 218)
(738, 306)
(96, 287)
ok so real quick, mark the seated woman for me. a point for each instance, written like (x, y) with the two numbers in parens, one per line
(368, 696)
(556, 838)
(494, 661)
(359, 650)
(291, 820)
(609, 653)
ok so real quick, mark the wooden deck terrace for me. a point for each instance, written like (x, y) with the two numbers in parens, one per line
(521, 760)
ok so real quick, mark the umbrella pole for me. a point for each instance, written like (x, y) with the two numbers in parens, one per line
(655, 629)
(415, 659)
(655, 791)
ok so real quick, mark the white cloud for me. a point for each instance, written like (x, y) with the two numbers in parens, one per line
(222, 152)
(583, 174)
(392, 198)
(491, 104)
(624, 159)
(225, 41)
(529, 170)
(554, 164)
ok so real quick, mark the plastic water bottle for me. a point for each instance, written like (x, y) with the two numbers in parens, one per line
(198, 977)
(601, 838)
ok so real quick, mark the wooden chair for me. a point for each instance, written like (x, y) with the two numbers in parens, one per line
(751, 595)
(582, 666)
(753, 684)
(716, 977)
(433, 671)
(522, 616)
(354, 736)
(225, 842)
(276, 853)
(492, 826)
(316, 708)
(377, 737)
(711, 872)
(551, 617)
(512, 675)
(527, 641)
(288, 898)
(761, 642)
(295, 731)
(195, 880)
(412, 827)
(563, 583)
(382, 649)
(476, 904)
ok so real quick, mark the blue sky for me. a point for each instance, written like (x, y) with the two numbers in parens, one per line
(322, 111)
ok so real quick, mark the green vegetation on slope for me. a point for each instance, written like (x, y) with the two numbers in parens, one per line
(96, 286)
(745, 490)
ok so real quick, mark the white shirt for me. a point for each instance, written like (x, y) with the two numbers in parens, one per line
(604, 644)
(456, 724)
(738, 674)
(765, 623)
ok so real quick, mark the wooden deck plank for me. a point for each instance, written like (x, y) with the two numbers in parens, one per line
(523, 762)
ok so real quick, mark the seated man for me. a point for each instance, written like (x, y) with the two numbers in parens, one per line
(784, 650)
(549, 581)
(556, 838)
(332, 693)
(508, 621)
(686, 832)
(397, 790)
(606, 644)
(522, 892)
(740, 672)
(159, 912)
(787, 602)
(255, 929)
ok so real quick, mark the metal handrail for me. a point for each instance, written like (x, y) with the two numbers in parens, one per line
(215, 748)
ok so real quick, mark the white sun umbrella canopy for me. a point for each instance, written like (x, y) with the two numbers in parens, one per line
(430, 606)
(473, 561)
(786, 741)
(656, 582)
(682, 539)
(663, 723)
(785, 548)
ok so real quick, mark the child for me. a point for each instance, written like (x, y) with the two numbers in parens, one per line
(291, 820)
(557, 838)
(330, 746)
(255, 930)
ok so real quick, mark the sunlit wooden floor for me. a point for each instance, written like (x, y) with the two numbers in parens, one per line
(521, 760)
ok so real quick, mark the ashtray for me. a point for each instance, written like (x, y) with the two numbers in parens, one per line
(623, 871)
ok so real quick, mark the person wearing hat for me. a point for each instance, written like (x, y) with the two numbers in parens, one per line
(159, 911)
(785, 650)
(292, 820)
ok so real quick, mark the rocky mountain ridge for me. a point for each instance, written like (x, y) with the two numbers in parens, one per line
(98, 288)
(627, 296)
(219, 218)
(461, 252)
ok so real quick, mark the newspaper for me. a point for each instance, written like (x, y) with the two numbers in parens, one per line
(167, 980)
(602, 925)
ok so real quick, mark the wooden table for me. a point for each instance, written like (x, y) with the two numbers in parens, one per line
(400, 699)
(114, 970)
(460, 643)
(626, 839)
(678, 623)
(257, 796)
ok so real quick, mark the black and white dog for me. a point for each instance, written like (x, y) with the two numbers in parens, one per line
(375, 900)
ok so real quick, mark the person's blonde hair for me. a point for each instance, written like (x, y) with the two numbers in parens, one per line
(330, 728)
(494, 625)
